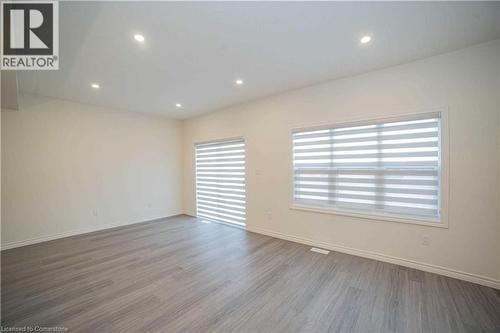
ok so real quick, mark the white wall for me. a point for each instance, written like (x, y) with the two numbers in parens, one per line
(467, 82)
(69, 168)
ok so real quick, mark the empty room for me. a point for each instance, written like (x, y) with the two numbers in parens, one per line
(250, 167)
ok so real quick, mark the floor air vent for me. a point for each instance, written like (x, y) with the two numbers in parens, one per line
(315, 249)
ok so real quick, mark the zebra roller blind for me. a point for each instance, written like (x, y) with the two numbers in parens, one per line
(220, 181)
(381, 168)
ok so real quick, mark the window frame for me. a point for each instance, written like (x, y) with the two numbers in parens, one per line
(442, 222)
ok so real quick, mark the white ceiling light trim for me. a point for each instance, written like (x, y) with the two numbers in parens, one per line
(365, 39)
(140, 38)
(95, 85)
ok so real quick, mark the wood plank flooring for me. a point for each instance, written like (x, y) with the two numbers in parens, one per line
(180, 275)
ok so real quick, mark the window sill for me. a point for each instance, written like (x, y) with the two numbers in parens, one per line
(377, 217)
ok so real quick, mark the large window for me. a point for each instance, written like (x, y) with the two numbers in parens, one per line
(383, 168)
(220, 181)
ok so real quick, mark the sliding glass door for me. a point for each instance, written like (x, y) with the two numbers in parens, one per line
(220, 181)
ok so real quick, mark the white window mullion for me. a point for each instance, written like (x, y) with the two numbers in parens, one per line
(332, 193)
(380, 200)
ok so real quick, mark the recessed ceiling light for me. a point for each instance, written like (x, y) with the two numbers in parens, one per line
(239, 82)
(95, 85)
(365, 39)
(139, 38)
(178, 105)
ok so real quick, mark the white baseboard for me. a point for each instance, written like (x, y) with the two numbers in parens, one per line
(11, 245)
(474, 278)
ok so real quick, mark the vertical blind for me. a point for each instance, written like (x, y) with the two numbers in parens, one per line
(220, 181)
(384, 168)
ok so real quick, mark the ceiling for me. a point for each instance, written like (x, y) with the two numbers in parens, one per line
(194, 52)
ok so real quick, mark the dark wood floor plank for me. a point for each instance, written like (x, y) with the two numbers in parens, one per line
(180, 275)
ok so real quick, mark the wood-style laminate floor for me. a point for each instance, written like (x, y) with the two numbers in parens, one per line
(180, 275)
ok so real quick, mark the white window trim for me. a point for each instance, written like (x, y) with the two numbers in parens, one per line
(444, 176)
